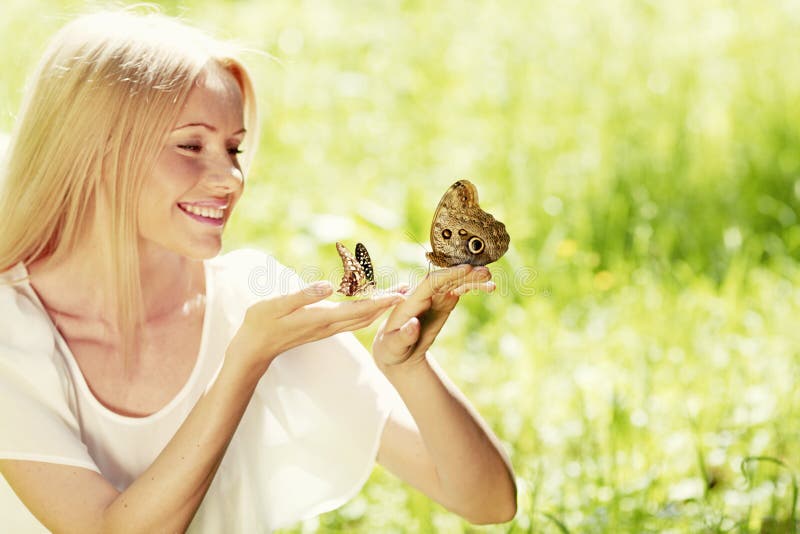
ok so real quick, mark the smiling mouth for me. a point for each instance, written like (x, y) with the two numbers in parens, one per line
(204, 214)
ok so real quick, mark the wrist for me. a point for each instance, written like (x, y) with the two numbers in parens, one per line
(250, 353)
(410, 367)
(248, 363)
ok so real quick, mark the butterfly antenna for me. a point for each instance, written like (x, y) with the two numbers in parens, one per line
(413, 238)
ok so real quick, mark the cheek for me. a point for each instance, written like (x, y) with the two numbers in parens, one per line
(235, 196)
(174, 175)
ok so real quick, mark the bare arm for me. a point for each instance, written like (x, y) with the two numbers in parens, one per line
(167, 495)
(440, 444)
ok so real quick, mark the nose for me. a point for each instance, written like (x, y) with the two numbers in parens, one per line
(224, 175)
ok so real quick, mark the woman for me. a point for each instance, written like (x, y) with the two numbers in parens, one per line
(148, 384)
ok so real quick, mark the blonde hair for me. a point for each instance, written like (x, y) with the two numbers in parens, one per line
(105, 94)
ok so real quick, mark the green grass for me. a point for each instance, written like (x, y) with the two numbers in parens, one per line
(645, 157)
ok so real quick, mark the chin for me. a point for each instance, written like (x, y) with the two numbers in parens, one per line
(203, 253)
(194, 247)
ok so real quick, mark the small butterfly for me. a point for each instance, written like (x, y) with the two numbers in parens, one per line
(359, 277)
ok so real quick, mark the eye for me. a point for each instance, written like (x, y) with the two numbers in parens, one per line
(234, 151)
(191, 148)
(475, 245)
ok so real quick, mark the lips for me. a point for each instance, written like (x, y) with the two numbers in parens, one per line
(208, 212)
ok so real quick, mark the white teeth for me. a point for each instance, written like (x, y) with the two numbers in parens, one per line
(211, 213)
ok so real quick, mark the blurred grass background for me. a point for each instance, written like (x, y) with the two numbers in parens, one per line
(640, 357)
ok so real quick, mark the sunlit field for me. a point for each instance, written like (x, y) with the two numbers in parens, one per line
(639, 359)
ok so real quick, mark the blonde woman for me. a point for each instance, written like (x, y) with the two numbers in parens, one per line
(148, 384)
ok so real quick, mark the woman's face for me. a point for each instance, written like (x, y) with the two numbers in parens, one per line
(197, 179)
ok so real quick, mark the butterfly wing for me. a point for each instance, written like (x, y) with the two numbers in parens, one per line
(455, 200)
(461, 195)
(363, 259)
(461, 232)
(354, 279)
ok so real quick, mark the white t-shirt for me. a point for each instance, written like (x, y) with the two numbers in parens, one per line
(306, 444)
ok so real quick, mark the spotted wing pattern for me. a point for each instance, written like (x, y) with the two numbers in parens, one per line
(362, 257)
(359, 276)
(461, 232)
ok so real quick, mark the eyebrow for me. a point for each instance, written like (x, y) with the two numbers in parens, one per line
(207, 126)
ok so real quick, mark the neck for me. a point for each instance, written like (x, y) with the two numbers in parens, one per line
(81, 284)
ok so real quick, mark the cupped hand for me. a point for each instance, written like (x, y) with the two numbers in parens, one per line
(413, 325)
(279, 323)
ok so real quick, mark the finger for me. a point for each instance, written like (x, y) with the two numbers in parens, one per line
(477, 275)
(399, 288)
(430, 326)
(355, 324)
(442, 281)
(486, 287)
(360, 320)
(412, 307)
(448, 297)
(309, 294)
(355, 309)
(445, 280)
(433, 325)
(437, 283)
(401, 340)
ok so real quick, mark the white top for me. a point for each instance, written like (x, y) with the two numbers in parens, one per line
(306, 443)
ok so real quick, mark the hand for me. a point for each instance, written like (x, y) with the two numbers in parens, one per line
(413, 325)
(279, 323)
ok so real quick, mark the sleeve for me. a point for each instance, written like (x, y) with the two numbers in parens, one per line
(36, 421)
(308, 440)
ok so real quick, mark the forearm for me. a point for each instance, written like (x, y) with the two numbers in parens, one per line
(167, 495)
(474, 475)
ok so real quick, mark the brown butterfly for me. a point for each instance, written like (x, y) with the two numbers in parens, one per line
(359, 276)
(462, 232)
